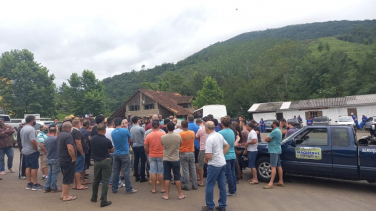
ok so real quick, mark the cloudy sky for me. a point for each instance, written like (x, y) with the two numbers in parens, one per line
(110, 37)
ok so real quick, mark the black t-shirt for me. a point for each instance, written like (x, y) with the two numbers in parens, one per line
(99, 147)
(63, 139)
(94, 131)
(78, 136)
(257, 128)
(165, 129)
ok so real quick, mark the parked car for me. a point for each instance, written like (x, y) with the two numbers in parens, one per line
(7, 120)
(346, 120)
(330, 151)
(321, 120)
(296, 123)
(371, 121)
(268, 125)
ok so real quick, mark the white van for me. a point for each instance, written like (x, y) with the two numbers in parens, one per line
(218, 111)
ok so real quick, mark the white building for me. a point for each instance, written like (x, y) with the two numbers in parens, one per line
(330, 107)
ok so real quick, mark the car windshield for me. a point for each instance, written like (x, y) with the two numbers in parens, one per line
(288, 137)
(320, 119)
(268, 121)
(345, 119)
(6, 118)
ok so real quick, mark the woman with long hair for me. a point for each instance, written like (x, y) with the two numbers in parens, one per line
(239, 150)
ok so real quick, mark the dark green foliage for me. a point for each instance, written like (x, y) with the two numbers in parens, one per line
(210, 94)
(25, 86)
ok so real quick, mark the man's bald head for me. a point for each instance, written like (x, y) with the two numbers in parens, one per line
(210, 125)
(154, 117)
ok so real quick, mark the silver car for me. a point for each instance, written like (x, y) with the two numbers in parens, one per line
(371, 121)
(268, 125)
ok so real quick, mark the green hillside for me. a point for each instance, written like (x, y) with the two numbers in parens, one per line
(287, 63)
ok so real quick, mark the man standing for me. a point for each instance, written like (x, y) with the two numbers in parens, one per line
(80, 160)
(31, 152)
(171, 143)
(42, 136)
(187, 156)
(101, 147)
(121, 138)
(216, 147)
(67, 151)
(230, 156)
(52, 160)
(194, 127)
(309, 121)
(56, 120)
(85, 132)
(154, 149)
(22, 168)
(138, 134)
(283, 127)
(252, 152)
(201, 135)
(161, 121)
(274, 148)
(257, 130)
(291, 128)
(6, 146)
(300, 119)
(262, 125)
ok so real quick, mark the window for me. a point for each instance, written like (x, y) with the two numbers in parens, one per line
(340, 137)
(134, 107)
(149, 106)
(314, 137)
(186, 105)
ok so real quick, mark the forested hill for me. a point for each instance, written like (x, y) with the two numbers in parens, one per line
(313, 60)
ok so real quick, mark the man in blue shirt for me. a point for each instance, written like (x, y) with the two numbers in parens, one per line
(355, 120)
(274, 148)
(194, 127)
(121, 138)
(230, 156)
(364, 120)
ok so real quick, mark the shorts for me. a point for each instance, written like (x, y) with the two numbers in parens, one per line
(201, 159)
(252, 155)
(275, 160)
(32, 160)
(43, 160)
(197, 152)
(67, 169)
(156, 165)
(175, 166)
(80, 164)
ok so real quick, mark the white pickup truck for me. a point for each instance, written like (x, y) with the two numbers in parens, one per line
(8, 121)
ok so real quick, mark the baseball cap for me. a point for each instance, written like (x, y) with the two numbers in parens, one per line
(23, 121)
(117, 121)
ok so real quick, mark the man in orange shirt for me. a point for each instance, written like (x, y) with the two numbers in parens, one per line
(187, 156)
(154, 149)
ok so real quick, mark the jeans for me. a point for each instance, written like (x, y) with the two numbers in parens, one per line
(187, 161)
(119, 162)
(216, 174)
(230, 175)
(54, 169)
(10, 153)
(139, 152)
(102, 171)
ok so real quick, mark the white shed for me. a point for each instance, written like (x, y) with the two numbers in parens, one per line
(330, 107)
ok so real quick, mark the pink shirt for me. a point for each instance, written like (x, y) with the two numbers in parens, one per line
(202, 136)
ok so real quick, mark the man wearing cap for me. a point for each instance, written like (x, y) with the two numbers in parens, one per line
(6, 146)
(22, 168)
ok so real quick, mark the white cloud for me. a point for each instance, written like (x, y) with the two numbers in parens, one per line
(111, 37)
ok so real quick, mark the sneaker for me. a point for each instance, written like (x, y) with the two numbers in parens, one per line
(143, 180)
(56, 190)
(185, 188)
(194, 187)
(29, 186)
(218, 208)
(37, 187)
(133, 191)
(103, 204)
(23, 177)
(47, 190)
(121, 185)
(206, 208)
(231, 194)
(137, 179)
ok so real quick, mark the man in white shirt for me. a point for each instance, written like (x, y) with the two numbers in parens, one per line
(216, 148)
(252, 143)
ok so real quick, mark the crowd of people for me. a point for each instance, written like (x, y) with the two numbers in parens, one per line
(165, 150)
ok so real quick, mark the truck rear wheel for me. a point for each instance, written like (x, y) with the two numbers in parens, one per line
(263, 169)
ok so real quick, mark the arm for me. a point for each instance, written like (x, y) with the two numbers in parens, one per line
(225, 150)
(257, 132)
(41, 145)
(79, 147)
(10, 131)
(111, 150)
(254, 141)
(208, 156)
(267, 139)
(3, 134)
(129, 140)
(71, 152)
(237, 140)
(34, 144)
(146, 147)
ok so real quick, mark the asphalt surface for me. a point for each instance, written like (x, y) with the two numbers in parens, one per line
(300, 193)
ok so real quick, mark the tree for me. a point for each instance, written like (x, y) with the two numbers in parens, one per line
(26, 86)
(209, 94)
(86, 93)
(321, 47)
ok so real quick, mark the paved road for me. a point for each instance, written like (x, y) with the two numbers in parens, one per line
(300, 193)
